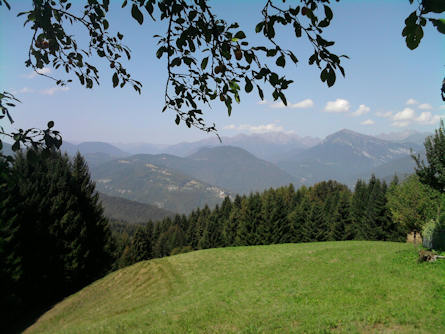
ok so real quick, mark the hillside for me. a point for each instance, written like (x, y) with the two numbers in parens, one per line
(225, 167)
(271, 146)
(118, 208)
(95, 153)
(136, 178)
(237, 170)
(341, 287)
(342, 156)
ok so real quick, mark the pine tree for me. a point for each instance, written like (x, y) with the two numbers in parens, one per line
(315, 229)
(55, 225)
(212, 235)
(250, 218)
(266, 229)
(141, 246)
(341, 228)
(230, 228)
(283, 229)
(358, 207)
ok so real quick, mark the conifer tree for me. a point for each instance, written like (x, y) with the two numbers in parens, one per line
(212, 235)
(190, 234)
(230, 228)
(358, 207)
(266, 229)
(250, 218)
(341, 228)
(283, 230)
(141, 246)
(55, 225)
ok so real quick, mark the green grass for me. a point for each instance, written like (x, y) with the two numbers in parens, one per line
(350, 287)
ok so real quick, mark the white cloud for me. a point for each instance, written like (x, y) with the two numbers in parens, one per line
(367, 122)
(400, 124)
(45, 70)
(339, 105)
(307, 103)
(383, 114)
(262, 102)
(362, 109)
(425, 106)
(406, 114)
(427, 117)
(277, 105)
(53, 90)
(411, 102)
(262, 128)
(442, 107)
(25, 90)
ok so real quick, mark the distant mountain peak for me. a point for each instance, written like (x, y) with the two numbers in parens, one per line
(348, 135)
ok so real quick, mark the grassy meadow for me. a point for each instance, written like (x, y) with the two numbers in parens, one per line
(338, 287)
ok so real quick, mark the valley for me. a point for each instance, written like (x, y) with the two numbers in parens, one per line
(184, 176)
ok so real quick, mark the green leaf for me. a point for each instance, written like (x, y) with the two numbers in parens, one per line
(324, 74)
(328, 12)
(439, 24)
(283, 98)
(248, 87)
(50, 124)
(16, 146)
(228, 104)
(281, 61)
(120, 36)
(259, 27)
(204, 63)
(177, 120)
(175, 62)
(136, 13)
(240, 35)
(115, 80)
(413, 37)
(273, 79)
(260, 92)
(331, 78)
(435, 6)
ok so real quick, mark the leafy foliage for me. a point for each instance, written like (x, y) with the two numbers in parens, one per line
(413, 204)
(207, 57)
(433, 173)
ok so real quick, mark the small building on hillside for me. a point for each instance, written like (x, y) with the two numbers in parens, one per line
(414, 238)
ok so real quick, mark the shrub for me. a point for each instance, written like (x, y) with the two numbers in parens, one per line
(434, 234)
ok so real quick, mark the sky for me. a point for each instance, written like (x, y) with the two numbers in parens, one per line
(388, 88)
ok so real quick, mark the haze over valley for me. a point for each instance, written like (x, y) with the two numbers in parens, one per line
(181, 177)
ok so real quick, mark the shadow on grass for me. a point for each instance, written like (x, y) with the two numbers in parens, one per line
(20, 321)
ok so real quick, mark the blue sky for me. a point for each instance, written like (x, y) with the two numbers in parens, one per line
(387, 86)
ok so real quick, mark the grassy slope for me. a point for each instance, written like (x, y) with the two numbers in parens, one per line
(315, 287)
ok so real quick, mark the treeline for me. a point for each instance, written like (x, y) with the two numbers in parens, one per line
(327, 211)
(54, 238)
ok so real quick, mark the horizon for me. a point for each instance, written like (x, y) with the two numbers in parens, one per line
(382, 92)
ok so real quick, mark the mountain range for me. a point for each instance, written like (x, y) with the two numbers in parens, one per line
(181, 177)
(344, 156)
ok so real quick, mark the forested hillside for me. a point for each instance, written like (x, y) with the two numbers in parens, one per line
(117, 208)
(326, 211)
